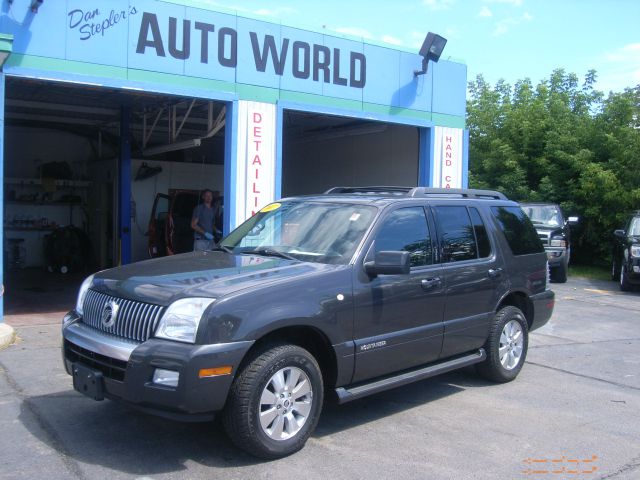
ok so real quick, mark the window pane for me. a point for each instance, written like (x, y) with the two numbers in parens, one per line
(406, 230)
(518, 230)
(484, 247)
(459, 242)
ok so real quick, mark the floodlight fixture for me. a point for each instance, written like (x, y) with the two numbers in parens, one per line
(431, 49)
(35, 5)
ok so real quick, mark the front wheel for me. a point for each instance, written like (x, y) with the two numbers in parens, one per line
(506, 346)
(559, 274)
(625, 285)
(275, 402)
(615, 269)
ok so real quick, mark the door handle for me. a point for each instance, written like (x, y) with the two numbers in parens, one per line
(494, 272)
(429, 283)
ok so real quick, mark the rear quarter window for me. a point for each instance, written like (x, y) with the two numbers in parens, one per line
(518, 230)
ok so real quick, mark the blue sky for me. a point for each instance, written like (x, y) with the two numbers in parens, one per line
(510, 39)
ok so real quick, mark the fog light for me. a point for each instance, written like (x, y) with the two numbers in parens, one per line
(168, 378)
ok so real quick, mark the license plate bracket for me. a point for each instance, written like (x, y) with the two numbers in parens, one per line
(88, 381)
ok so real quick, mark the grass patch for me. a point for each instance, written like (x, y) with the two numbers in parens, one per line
(590, 271)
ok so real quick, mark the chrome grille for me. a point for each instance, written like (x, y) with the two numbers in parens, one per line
(544, 237)
(135, 320)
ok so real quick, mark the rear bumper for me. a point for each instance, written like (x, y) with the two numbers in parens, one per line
(128, 370)
(543, 304)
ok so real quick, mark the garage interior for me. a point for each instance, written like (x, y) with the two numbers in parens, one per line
(61, 168)
(322, 151)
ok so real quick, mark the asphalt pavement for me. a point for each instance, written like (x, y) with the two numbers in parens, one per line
(574, 410)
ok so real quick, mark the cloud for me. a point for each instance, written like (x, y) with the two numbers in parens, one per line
(391, 40)
(439, 4)
(354, 32)
(504, 25)
(452, 32)
(485, 12)
(274, 12)
(416, 39)
(513, 3)
(620, 69)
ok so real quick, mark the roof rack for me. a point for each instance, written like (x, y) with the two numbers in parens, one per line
(419, 192)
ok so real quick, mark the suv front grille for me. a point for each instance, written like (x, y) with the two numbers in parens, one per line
(134, 320)
(544, 237)
(110, 367)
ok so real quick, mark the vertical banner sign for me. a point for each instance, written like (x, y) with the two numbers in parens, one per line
(256, 163)
(447, 171)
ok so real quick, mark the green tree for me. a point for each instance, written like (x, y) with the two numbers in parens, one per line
(562, 142)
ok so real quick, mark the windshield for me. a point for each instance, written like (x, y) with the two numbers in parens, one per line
(310, 231)
(547, 215)
(634, 228)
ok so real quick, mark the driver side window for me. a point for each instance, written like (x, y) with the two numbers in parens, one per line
(406, 230)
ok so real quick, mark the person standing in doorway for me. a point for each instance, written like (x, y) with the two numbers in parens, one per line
(203, 222)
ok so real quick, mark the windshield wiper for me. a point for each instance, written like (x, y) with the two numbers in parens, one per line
(270, 252)
(221, 248)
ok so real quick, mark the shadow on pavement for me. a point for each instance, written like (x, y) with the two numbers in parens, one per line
(117, 437)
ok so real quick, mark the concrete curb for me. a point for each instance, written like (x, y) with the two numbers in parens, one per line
(7, 335)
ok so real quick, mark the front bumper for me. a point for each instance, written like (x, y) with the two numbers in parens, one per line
(556, 256)
(543, 304)
(128, 367)
(632, 270)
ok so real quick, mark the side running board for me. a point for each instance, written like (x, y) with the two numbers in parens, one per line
(362, 390)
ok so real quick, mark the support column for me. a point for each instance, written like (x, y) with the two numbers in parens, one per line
(124, 187)
(425, 157)
(2, 92)
(255, 158)
(230, 169)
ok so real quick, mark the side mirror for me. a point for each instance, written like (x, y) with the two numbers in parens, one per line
(573, 220)
(389, 263)
(620, 234)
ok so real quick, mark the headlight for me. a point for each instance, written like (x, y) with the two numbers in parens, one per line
(84, 288)
(635, 251)
(180, 321)
(558, 242)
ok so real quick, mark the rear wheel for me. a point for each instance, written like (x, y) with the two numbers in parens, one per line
(275, 402)
(506, 346)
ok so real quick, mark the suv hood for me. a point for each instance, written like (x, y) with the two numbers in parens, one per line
(198, 274)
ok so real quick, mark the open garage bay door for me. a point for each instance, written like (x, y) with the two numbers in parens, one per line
(63, 165)
(323, 151)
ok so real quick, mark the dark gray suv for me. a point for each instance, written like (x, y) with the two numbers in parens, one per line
(351, 293)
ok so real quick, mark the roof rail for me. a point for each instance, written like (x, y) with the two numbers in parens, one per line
(418, 192)
(374, 190)
(456, 192)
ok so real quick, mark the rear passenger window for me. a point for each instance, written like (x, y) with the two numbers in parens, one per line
(458, 237)
(518, 230)
(406, 230)
(482, 239)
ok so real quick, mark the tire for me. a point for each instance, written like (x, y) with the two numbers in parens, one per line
(625, 285)
(266, 385)
(493, 368)
(615, 269)
(559, 274)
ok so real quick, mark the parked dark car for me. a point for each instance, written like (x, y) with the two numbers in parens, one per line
(625, 265)
(170, 230)
(352, 292)
(555, 234)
